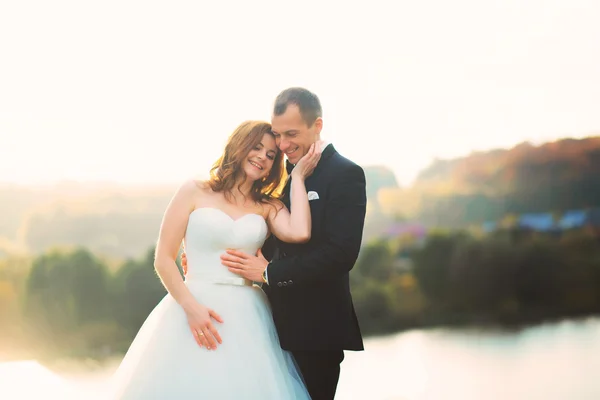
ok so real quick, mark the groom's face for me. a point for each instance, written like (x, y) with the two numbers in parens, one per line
(293, 135)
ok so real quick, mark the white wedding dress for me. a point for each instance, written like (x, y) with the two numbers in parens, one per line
(164, 361)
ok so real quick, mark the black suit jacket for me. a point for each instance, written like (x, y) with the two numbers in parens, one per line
(309, 288)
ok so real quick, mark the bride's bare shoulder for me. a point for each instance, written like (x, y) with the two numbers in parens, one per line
(194, 188)
(201, 185)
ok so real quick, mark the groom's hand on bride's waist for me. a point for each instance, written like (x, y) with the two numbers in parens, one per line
(245, 265)
(184, 263)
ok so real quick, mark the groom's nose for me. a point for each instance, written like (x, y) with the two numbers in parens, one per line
(284, 144)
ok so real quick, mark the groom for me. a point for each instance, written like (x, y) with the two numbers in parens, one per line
(308, 284)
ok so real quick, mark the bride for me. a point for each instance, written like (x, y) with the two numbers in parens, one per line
(212, 336)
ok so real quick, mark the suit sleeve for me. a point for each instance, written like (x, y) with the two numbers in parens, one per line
(343, 228)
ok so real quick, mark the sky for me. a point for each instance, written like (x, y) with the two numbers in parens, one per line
(148, 91)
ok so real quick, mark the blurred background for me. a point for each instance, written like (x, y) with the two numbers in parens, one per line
(477, 124)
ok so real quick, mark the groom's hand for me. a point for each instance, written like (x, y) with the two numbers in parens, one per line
(245, 265)
(184, 263)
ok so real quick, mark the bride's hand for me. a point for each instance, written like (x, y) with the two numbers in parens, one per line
(305, 167)
(201, 325)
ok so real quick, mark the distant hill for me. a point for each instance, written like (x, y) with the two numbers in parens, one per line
(112, 219)
(555, 177)
(504, 171)
(123, 220)
(379, 177)
(108, 218)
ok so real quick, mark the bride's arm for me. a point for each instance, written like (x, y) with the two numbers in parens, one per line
(292, 227)
(295, 226)
(172, 231)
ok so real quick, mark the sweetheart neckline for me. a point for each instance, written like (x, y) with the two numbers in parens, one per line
(227, 215)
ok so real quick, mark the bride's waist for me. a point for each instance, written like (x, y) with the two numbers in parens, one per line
(217, 280)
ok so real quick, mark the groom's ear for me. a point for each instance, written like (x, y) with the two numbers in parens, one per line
(318, 125)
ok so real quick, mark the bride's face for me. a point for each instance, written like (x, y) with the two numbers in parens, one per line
(259, 161)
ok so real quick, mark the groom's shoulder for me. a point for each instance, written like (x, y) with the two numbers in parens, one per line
(342, 164)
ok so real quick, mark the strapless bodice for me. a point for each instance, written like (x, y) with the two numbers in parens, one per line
(210, 232)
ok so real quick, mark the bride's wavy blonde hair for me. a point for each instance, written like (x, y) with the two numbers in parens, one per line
(228, 170)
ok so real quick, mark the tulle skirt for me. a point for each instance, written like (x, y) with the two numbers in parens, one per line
(165, 362)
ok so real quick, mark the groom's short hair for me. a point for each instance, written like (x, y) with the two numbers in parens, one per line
(307, 102)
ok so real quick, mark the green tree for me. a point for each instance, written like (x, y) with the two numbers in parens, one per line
(375, 261)
(432, 264)
(64, 291)
(136, 291)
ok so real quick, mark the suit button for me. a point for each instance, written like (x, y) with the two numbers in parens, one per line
(284, 283)
(290, 282)
(279, 284)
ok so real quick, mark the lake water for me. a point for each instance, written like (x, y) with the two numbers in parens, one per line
(549, 362)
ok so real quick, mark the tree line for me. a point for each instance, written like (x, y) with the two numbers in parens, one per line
(73, 303)
(506, 279)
